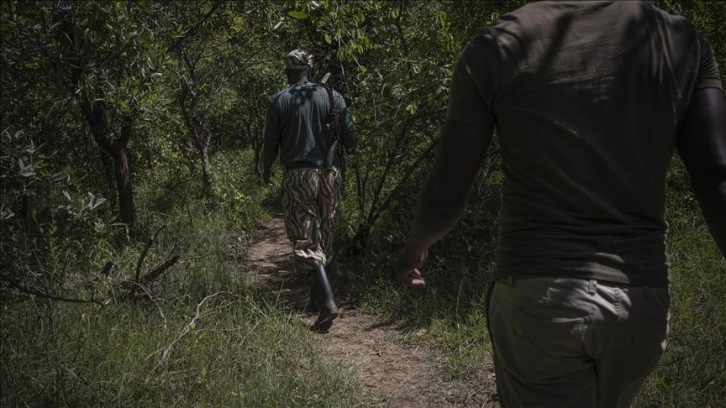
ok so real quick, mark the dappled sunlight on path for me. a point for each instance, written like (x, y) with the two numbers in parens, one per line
(393, 372)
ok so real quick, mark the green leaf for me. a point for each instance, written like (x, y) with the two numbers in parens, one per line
(98, 202)
(298, 15)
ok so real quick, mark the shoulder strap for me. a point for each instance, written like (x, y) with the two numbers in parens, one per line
(331, 97)
(333, 123)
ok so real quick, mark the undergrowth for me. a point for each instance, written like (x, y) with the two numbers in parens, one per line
(198, 336)
(229, 349)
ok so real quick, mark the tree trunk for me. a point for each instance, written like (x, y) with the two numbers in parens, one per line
(94, 111)
(204, 154)
(200, 136)
(116, 147)
(195, 121)
(108, 174)
(127, 210)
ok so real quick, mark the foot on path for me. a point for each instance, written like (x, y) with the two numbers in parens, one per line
(392, 373)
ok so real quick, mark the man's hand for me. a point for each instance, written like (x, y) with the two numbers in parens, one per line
(269, 154)
(267, 178)
(461, 150)
(408, 268)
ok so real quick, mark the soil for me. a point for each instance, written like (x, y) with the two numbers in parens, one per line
(392, 373)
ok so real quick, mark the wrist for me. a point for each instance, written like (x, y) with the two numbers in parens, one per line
(411, 257)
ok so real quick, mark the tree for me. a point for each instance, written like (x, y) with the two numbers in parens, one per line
(112, 56)
(196, 76)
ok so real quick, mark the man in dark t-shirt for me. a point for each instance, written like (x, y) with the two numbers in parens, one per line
(590, 99)
(300, 126)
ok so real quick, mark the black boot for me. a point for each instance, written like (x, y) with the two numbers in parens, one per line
(323, 294)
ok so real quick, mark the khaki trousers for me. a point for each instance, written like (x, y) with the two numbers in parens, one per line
(310, 203)
(562, 342)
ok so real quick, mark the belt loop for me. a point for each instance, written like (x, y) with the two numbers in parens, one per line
(592, 286)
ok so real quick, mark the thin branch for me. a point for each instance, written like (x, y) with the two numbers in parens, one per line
(35, 292)
(191, 30)
(392, 160)
(187, 328)
(158, 270)
(149, 243)
(148, 296)
(402, 37)
(404, 180)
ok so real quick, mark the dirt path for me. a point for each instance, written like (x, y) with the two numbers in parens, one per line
(393, 373)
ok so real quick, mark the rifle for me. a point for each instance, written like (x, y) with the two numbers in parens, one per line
(335, 152)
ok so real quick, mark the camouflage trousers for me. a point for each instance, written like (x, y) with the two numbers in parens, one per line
(310, 205)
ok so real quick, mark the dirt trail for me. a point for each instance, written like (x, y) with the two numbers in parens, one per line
(393, 373)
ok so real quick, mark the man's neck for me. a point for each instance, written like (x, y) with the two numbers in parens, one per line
(300, 80)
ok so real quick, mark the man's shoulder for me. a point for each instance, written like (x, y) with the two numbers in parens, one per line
(545, 12)
(325, 88)
(538, 21)
(336, 94)
(279, 93)
(675, 21)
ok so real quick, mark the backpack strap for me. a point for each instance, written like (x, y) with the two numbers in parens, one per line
(333, 126)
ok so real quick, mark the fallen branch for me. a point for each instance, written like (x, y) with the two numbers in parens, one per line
(144, 294)
(187, 328)
(149, 277)
(159, 270)
(35, 292)
(149, 243)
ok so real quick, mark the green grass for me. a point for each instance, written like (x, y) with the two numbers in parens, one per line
(692, 372)
(206, 339)
(240, 351)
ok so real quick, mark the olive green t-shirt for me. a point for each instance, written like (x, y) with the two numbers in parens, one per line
(296, 119)
(588, 98)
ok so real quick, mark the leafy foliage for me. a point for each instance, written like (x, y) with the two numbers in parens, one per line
(124, 118)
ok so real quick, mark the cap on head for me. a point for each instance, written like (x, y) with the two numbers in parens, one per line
(298, 60)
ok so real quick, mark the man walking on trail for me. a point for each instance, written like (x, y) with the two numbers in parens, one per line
(589, 99)
(304, 121)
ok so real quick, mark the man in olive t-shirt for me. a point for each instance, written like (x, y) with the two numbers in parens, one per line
(589, 99)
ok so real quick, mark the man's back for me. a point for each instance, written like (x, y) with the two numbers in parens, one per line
(298, 119)
(588, 98)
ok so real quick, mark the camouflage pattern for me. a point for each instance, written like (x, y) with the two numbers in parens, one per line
(310, 204)
(298, 59)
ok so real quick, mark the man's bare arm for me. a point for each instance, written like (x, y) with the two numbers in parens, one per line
(702, 147)
(269, 154)
(461, 150)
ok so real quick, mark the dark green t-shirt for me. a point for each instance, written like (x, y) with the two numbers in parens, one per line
(588, 99)
(296, 118)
